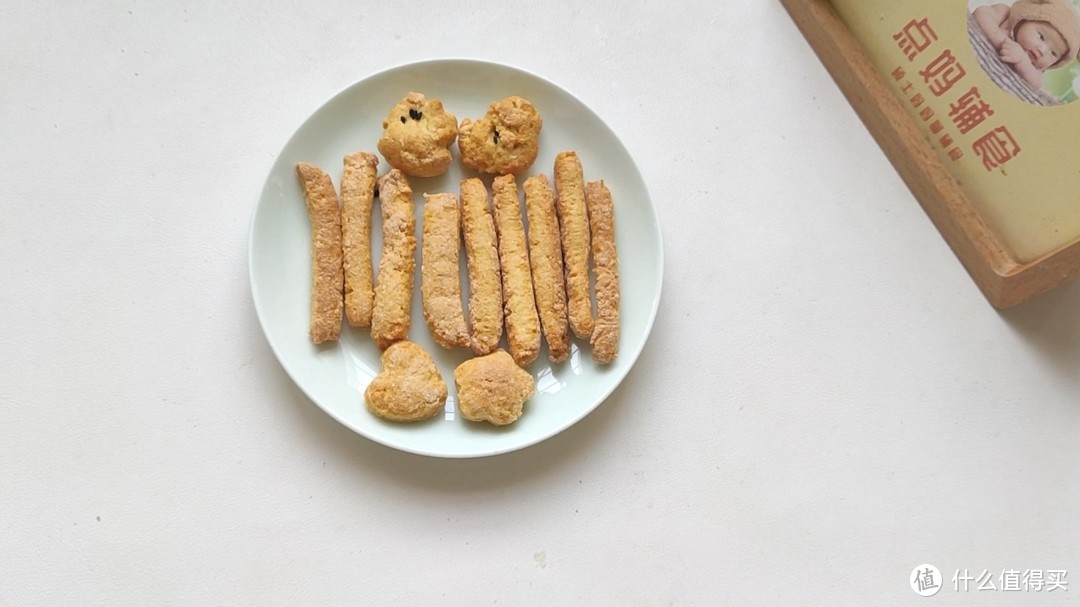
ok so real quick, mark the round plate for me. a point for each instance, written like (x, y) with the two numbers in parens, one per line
(335, 375)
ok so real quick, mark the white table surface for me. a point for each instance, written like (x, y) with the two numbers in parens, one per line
(826, 400)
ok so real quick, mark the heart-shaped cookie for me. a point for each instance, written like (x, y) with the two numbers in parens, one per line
(409, 388)
(492, 388)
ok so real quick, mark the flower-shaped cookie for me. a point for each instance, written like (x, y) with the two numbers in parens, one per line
(409, 388)
(492, 388)
(506, 140)
(417, 135)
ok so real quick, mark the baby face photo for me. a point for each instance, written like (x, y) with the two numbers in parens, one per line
(1029, 47)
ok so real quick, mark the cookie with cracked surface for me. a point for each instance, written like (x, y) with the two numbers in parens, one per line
(417, 135)
(505, 140)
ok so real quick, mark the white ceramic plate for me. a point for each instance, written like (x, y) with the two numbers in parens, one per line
(334, 376)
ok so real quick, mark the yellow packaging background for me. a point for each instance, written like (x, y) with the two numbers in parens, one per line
(1033, 201)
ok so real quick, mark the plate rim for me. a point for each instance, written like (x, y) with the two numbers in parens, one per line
(606, 393)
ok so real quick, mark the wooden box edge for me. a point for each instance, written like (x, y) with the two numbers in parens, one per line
(1003, 280)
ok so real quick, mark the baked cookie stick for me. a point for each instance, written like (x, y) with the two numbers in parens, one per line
(326, 271)
(574, 223)
(519, 306)
(393, 293)
(545, 256)
(605, 337)
(485, 292)
(440, 274)
(357, 195)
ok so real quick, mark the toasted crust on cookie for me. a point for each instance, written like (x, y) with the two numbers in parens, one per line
(327, 275)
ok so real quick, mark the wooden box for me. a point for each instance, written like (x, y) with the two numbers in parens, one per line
(995, 171)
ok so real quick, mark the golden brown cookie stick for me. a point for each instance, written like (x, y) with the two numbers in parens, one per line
(392, 313)
(440, 274)
(357, 195)
(326, 271)
(605, 337)
(481, 254)
(574, 223)
(519, 306)
(545, 255)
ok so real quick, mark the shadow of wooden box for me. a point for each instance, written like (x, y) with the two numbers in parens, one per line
(1003, 279)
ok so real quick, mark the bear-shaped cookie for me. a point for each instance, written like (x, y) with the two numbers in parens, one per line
(417, 135)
